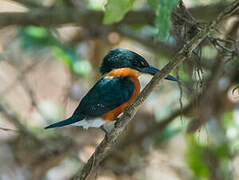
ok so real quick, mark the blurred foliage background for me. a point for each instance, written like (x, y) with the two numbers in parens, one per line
(50, 53)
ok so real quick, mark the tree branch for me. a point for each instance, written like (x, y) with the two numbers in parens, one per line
(210, 93)
(50, 17)
(105, 146)
(159, 126)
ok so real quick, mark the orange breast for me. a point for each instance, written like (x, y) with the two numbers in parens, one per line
(133, 75)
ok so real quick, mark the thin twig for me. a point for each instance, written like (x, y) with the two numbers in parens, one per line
(7, 129)
(159, 126)
(206, 105)
(14, 118)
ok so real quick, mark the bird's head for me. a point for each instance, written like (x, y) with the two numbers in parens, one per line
(123, 58)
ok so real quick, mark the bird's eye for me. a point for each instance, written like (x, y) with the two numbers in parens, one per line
(143, 64)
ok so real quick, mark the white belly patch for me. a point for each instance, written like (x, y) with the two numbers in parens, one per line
(89, 123)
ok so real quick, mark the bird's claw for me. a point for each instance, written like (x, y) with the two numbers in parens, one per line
(107, 134)
(116, 122)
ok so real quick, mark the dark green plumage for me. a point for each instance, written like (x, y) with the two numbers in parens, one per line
(121, 58)
(107, 94)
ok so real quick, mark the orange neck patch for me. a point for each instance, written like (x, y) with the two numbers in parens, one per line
(123, 72)
(133, 76)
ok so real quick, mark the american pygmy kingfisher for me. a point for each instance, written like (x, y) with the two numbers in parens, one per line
(117, 88)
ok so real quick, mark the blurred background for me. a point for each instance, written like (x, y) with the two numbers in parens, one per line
(50, 53)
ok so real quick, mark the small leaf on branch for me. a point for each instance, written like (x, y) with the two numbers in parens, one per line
(116, 9)
(163, 9)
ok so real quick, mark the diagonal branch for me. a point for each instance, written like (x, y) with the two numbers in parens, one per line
(13, 118)
(159, 126)
(105, 146)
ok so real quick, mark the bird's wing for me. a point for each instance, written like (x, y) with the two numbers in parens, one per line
(107, 94)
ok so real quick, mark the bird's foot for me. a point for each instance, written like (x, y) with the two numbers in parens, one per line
(116, 122)
(106, 132)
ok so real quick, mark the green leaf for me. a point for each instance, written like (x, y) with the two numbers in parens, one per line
(228, 119)
(33, 38)
(163, 9)
(66, 54)
(37, 32)
(62, 2)
(221, 151)
(195, 158)
(96, 4)
(36, 37)
(82, 67)
(116, 9)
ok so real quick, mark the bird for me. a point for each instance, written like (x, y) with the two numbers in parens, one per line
(117, 88)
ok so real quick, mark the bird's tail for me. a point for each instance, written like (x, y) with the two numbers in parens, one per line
(71, 120)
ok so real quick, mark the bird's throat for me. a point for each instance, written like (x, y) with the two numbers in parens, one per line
(133, 76)
(123, 72)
